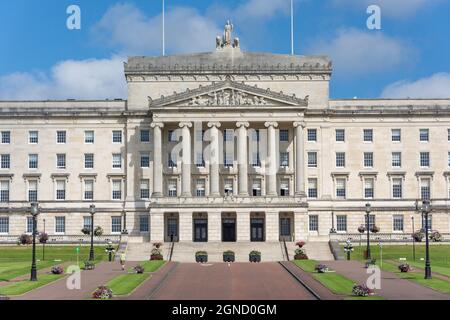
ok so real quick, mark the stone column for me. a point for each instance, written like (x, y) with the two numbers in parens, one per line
(299, 159)
(214, 159)
(186, 159)
(214, 226)
(157, 226)
(243, 226)
(185, 227)
(272, 226)
(272, 158)
(157, 159)
(301, 225)
(242, 157)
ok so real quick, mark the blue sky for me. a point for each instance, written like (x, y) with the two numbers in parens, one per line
(42, 59)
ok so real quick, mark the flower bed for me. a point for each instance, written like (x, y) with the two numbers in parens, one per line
(300, 254)
(102, 293)
(361, 290)
(139, 269)
(25, 239)
(404, 267)
(57, 270)
(89, 265)
(321, 268)
(436, 236)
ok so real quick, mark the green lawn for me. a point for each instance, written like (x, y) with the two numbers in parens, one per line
(126, 283)
(11, 270)
(19, 288)
(435, 283)
(337, 283)
(434, 268)
(152, 266)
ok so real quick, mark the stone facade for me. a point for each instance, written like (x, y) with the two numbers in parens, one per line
(226, 146)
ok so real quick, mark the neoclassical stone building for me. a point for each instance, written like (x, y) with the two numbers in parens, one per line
(224, 146)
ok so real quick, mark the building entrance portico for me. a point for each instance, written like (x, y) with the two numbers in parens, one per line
(200, 227)
(171, 227)
(257, 227)
(229, 227)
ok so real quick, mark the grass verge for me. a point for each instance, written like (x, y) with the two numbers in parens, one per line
(125, 284)
(22, 287)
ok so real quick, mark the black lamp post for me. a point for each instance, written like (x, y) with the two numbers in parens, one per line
(332, 230)
(91, 252)
(426, 209)
(368, 209)
(34, 213)
(413, 239)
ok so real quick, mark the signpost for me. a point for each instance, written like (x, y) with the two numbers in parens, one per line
(77, 250)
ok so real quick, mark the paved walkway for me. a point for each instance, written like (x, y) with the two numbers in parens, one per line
(90, 280)
(392, 287)
(238, 281)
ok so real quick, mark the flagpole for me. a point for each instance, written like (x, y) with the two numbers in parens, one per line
(163, 28)
(292, 27)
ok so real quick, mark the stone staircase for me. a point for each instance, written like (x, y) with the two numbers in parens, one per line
(316, 250)
(140, 251)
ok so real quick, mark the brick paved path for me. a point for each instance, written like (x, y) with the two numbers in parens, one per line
(90, 280)
(392, 287)
(239, 281)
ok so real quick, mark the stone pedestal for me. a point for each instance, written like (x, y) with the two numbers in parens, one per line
(214, 226)
(185, 227)
(243, 226)
(157, 227)
(272, 226)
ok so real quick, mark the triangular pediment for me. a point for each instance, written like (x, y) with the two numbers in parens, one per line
(228, 94)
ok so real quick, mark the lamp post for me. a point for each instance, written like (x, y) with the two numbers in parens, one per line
(368, 209)
(332, 230)
(34, 212)
(414, 240)
(92, 212)
(43, 246)
(426, 209)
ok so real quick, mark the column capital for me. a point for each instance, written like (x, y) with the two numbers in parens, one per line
(300, 124)
(185, 124)
(244, 124)
(271, 124)
(157, 124)
(214, 124)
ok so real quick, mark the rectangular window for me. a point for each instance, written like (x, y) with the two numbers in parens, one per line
(4, 191)
(368, 159)
(448, 135)
(256, 160)
(200, 188)
(60, 189)
(312, 159)
(61, 137)
(284, 187)
(341, 223)
(145, 189)
(200, 135)
(117, 136)
(312, 135)
(33, 137)
(314, 222)
(116, 224)
(369, 188)
(368, 135)
(397, 188)
(312, 188)
(144, 224)
(228, 186)
(5, 137)
(340, 188)
(397, 222)
(396, 135)
(117, 161)
(60, 224)
(61, 161)
(256, 187)
(371, 221)
(448, 159)
(29, 225)
(284, 135)
(340, 135)
(89, 136)
(424, 135)
(89, 161)
(172, 188)
(4, 225)
(145, 160)
(172, 160)
(284, 159)
(145, 136)
(33, 161)
(430, 222)
(32, 191)
(199, 160)
(425, 188)
(228, 160)
(171, 136)
(117, 189)
(396, 159)
(87, 222)
(89, 189)
(255, 135)
(228, 135)
(424, 159)
(340, 159)
(5, 161)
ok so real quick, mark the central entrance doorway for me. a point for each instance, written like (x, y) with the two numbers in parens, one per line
(229, 230)
(200, 230)
(257, 229)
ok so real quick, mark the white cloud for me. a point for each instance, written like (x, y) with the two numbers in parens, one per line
(394, 8)
(128, 29)
(354, 51)
(435, 86)
(77, 79)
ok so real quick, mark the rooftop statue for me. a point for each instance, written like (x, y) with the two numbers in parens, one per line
(226, 40)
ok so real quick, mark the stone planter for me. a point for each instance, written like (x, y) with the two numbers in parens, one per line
(156, 257)
(201, 258)
(255, 258)
(228, 257)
